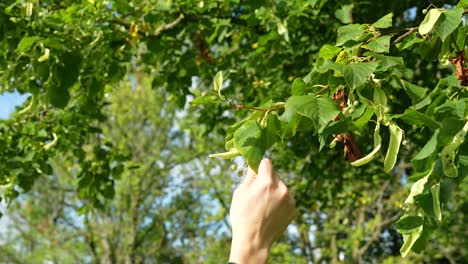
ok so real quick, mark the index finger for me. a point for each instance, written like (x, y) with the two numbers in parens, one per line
(265, 171)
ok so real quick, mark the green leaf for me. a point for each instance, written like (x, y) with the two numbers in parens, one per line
(387, 62)
(396, 135)
(298, 87)
(409, 42)
(377, 144)
(26, 43)
(320, 110)
(345, 14)
(305, 105)
(271, 132)
(429, 147)
(384, 22)
(380, 44)
(424, 201)
(418, 119)
(448, 22)
(350, 32)
(364, 119)
(409, 240)
(379, 97)
(415, 92)
(247, 140)
(448, 153)
(327, 109)
(435, 191)
(204, 99)
(218, 81)
(328, 52)
(357, 73)
(417, 188)
(423, 239)
(58, 95)
(409, 224)
(429, 21)
(451, 108)
(463, 4)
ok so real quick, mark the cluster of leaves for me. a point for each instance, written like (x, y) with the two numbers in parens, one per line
(368, 69)
(44, 44)
(68, 56)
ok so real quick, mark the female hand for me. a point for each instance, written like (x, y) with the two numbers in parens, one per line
(261, 209)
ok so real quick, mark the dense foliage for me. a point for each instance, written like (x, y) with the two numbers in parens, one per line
(305, 82)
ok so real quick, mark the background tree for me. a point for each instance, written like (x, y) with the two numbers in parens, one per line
(401, 73)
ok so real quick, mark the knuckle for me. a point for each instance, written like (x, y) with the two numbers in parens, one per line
(284, 193)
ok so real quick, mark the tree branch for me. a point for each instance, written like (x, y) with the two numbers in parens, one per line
(169, 26)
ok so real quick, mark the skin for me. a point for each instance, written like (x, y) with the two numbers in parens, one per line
(261, 209)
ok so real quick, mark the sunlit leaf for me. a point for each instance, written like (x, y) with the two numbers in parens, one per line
(429, 20)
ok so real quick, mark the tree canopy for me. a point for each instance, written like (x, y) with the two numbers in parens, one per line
(361, 106)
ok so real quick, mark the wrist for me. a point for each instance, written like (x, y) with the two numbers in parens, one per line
(248, 251)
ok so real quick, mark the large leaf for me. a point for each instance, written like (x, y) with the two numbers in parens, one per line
(425, 202)
(428, 148)
(298, 87)
(414, 91)
(357, 73)
(419, 119)
(384, 22)
(409, 240)
(26, 43)
(448, 152)
(306, 105)
(328, 110)
(423, 239)
(409, 224)
(350, 32)
(448, 22)
(344, 14)
(380, 44)
(271, 132)
(248, 141)
(58, 95)
(328, 52)
(386, 62)
(417, 188)
(320, 110)
(364, 119)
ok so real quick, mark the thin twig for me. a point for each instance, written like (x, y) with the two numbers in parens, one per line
(171, 25)
(409, 32)
(239, 107)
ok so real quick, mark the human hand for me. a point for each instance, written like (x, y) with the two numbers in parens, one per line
(261, 209)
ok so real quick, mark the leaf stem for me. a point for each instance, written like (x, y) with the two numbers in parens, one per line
(325, 87)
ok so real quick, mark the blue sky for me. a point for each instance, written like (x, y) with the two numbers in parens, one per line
(8, 101)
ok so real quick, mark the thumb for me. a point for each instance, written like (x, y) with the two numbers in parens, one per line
(249, 177)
